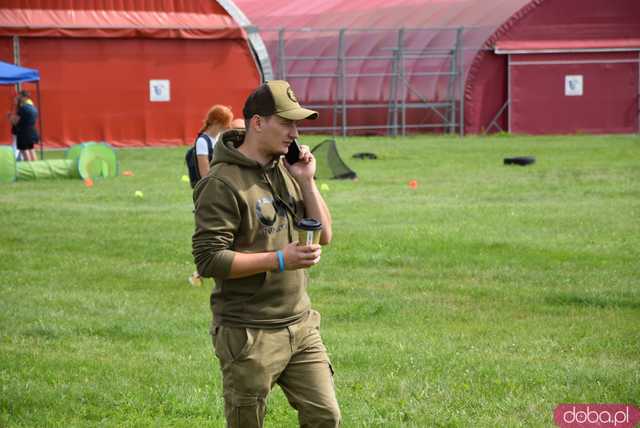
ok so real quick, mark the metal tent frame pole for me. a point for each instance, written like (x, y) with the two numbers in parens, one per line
(392, 119)
(282, 60)
(16, 61)
(339, 84)
(342, 67)
(451, 87)
(401, 77)
(509, 94)
(460, 48)
(40, 121)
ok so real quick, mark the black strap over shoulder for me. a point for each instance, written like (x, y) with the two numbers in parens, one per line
(209, 144)
(191, 159)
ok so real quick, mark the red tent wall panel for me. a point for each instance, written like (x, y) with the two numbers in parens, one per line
(579, 20)
(123, 5)
(486, 94)
(552, 22)
(386, 17)
(98, 89)
(609, 103)
(116, 18)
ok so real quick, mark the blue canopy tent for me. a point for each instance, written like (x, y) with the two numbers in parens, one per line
(11, 74)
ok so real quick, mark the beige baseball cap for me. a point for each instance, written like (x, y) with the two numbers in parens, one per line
(276, 97)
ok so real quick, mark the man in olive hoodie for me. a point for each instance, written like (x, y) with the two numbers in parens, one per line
(264, 330)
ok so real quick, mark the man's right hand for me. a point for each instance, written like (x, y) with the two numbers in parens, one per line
(300, 256)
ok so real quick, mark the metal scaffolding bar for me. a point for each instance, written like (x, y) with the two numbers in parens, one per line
(453, 66)
(494, 121)
(343, 85)
(461, 81)
(392, 116)
(403, 96)
(282, 66)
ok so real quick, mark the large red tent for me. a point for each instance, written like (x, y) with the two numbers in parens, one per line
(587, 36)
(129, 72)
(571, 66)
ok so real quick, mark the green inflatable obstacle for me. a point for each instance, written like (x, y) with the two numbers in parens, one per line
(86, 160)
(55, 168)
(94, 160)
(8, 171)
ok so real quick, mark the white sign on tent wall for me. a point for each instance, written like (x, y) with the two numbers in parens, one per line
(159, 90)
(573, 85)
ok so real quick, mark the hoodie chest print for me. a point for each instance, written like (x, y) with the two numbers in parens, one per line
(268, 211)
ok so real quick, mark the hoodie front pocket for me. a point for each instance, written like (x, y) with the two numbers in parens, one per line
(243, 289)
(283, 295)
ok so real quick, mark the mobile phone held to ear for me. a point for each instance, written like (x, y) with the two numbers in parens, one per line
(293, 155)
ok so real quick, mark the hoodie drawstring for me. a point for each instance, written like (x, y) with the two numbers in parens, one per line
(277, 199)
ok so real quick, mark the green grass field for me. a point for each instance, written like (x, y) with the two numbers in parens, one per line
(482, 298)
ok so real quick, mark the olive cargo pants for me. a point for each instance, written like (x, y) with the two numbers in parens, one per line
(254, 360)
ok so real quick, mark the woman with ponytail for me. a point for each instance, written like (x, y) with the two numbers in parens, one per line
(218, 119)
